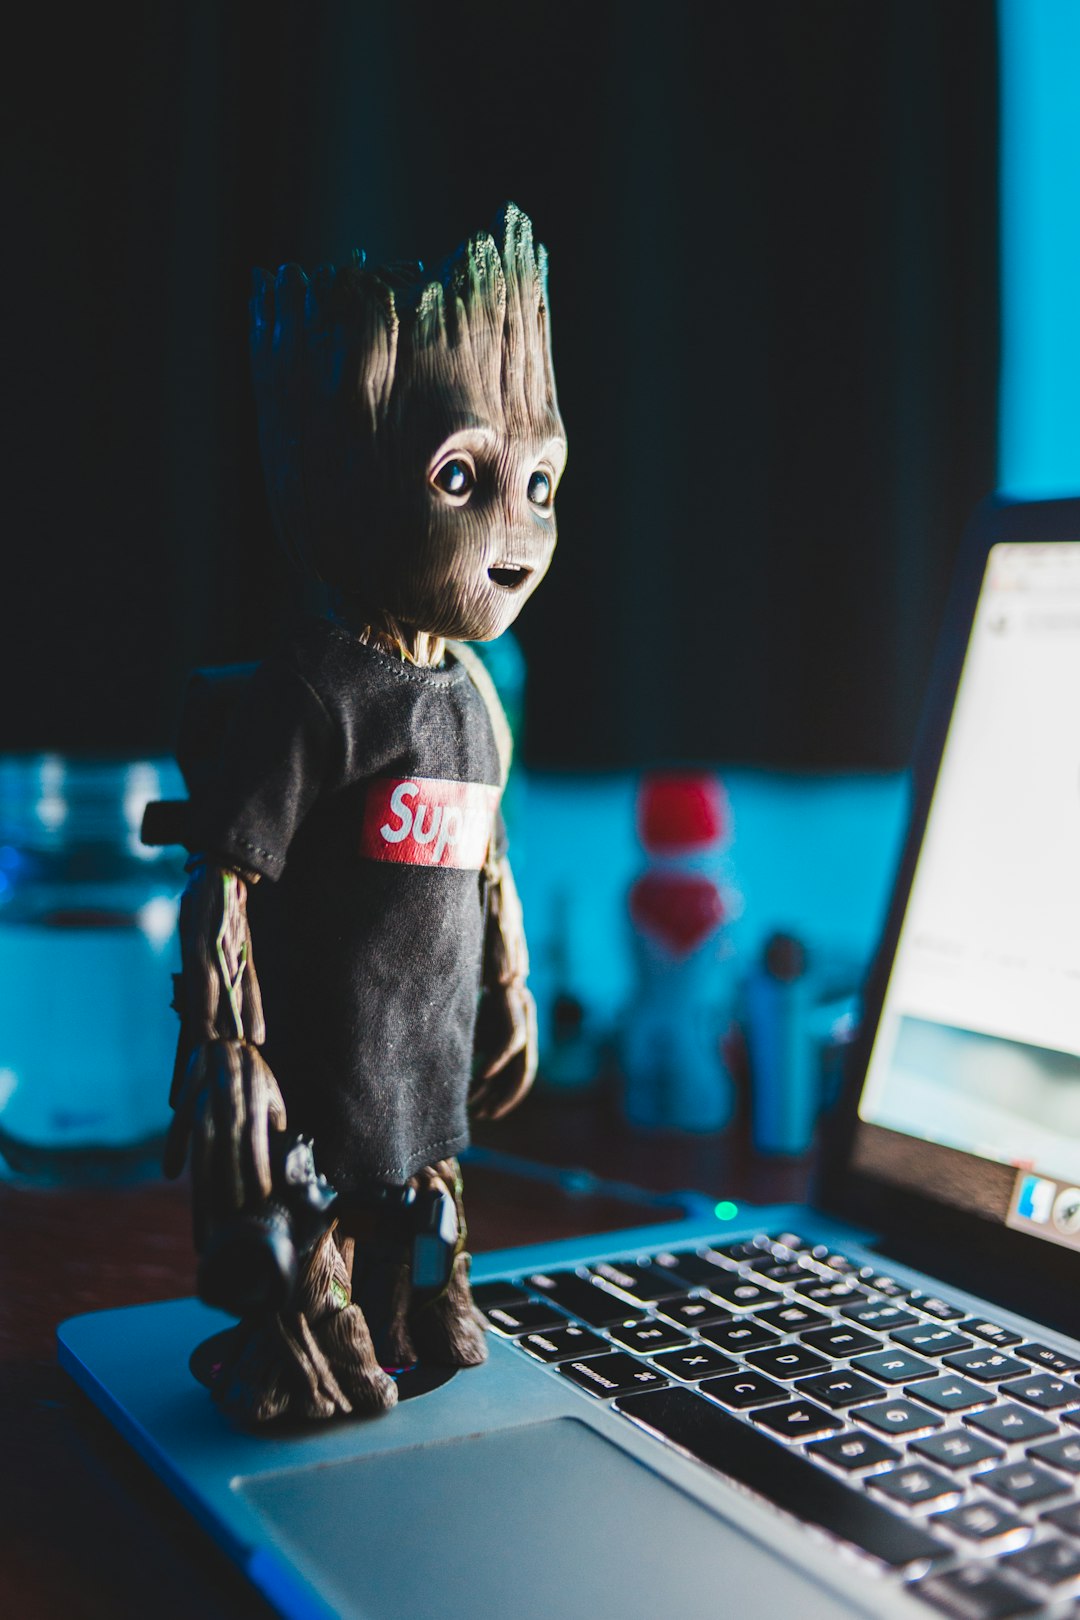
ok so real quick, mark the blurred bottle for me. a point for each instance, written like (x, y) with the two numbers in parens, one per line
(675, 1076)
(570, 1045)
(87, 919)
(785, 1090)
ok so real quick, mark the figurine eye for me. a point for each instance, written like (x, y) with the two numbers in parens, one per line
(540, 489)
(456, 478)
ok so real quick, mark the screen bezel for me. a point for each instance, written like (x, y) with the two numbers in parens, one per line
(1021, 1271)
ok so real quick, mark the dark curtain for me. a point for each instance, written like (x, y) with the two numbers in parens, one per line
(774, 288)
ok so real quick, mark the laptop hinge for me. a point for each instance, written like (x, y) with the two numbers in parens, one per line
(999, 1284)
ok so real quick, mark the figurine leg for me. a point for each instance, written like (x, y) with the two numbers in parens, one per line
(448, 1330)
(317, 1361)
(379, 1262)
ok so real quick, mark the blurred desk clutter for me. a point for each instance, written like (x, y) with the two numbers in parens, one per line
(663, 947)
(87, 934)
(651, 903)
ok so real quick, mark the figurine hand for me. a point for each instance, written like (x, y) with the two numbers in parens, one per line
(506, 1027)
(228, 1104)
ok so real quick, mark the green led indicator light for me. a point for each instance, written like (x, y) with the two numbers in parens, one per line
(726, 1210)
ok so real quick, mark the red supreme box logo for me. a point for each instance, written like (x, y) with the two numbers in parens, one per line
(418, 821)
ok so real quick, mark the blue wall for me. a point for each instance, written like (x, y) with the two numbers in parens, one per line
(1040, 247)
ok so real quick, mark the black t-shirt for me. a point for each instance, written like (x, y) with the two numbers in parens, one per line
(366, 790)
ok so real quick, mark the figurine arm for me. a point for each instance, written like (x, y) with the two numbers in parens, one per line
(506, 1027)
(225, 1097)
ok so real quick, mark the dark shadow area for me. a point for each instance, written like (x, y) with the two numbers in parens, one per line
(774, 285)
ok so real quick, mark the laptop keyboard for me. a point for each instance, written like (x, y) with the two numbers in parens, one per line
(943, 1445)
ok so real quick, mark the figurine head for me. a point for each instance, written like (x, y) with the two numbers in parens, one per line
(410, 433)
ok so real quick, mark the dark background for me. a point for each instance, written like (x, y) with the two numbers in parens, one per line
(774, 285)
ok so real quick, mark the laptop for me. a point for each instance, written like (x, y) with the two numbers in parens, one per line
(865, 1406)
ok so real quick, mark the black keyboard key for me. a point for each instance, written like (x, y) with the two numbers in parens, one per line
(881, 1314)
(974, 1593)
(1050, 1563)
(934, 1306)
(563, 1343)
(1065, 1518)
(1023, 1482)
(854, 1451)
(840, 1340)
(498, 1293)
(1044, 1355)
(698, 1361)
(791, 1241)
(790, 1317)
(1063, 1453)
(985, 1522)
(787, 1361)
(780, 1271)
(991, 1331)
(840, 1388)
(894, 1366)
(666, 1261)
(697, 1271)
(799, 1420)
(613, 1374)
(898, 1417)
(931, 1338)
(957, 1448)
(579, 1297)
(844, 1291)
(791, 1481)
(1043, 1390)
(642, 1282)
(740, 1336)
(742, 1292)
(950, 1394)
(692, 1310)
(985, 1365)
(745, 1249)
(822, 1255)
(882, 1283)
(1011, 1422)
(513, 1319)
(744, 1389)
(649, 1336)
(916, 1485)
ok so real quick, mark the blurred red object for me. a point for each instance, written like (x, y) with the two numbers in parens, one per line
(679, 812)
(680, 909)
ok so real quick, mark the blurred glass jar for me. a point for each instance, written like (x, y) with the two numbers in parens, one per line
(88, 917)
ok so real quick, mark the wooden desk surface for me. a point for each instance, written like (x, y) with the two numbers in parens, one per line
(86, 1529)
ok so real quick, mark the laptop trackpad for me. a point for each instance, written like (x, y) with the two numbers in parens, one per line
(544, 1519)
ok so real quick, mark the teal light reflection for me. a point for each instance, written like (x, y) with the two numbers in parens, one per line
(1039, 402)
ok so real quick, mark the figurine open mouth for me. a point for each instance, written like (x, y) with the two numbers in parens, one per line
(511, 576)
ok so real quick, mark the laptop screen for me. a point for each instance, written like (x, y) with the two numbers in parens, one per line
(972, 1090)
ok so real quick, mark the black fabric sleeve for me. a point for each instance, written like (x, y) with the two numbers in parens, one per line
(276, 757)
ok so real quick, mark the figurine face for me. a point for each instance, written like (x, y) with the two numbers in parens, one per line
(467, 511)
(413, 446)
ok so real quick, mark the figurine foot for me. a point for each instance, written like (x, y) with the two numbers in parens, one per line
(382, 1292)
(276, 1368)
(346, 1343)
(448, 1331)
(314, 1362)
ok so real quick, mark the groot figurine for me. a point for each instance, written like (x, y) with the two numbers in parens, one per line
(346, 833)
